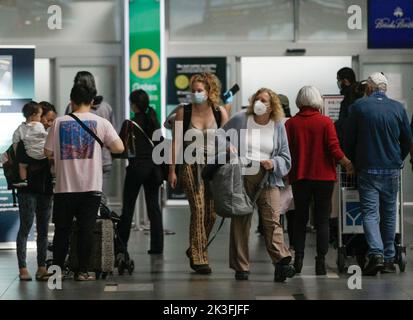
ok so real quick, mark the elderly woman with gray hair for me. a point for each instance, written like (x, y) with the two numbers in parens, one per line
(315, 150)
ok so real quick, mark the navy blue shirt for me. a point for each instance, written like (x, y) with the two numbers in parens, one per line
(378, 134)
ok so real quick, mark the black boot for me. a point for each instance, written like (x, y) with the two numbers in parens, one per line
(389, 267)
(376, 264)
(284, 270)
(201, 268)
(242, 275)
(298, 263)
(320, 266)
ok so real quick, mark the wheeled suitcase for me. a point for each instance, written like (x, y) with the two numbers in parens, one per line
(102, 259)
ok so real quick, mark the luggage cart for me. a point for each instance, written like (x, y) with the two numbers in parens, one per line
(351, 240)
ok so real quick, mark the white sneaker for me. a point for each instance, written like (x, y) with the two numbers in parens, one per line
(20, 184)
(84, 276)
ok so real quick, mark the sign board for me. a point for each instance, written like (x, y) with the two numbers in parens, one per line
(179, 73)
(145, 50)
(351, 209)
(390, 24)
(332, 106)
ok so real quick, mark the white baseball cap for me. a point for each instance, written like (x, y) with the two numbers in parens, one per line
(378, 78)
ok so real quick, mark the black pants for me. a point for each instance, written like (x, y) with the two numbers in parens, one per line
(304, 191)
(290, 215)
(84, 206)
(138, 174)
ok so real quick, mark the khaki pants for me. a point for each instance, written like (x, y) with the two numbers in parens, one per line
(269, 208)
(202, 214)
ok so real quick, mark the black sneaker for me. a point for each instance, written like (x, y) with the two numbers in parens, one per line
(283, 271)
(389, 267)
(375, 265)
(298, 263)
(242, 275)
(320, 266)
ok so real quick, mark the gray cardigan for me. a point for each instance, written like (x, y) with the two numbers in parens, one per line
(280, 156)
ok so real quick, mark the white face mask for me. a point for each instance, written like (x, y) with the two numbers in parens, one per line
(198, 97)
(260, 108)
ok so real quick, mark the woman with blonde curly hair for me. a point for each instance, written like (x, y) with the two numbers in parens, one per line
(202, 118)
(262, 131)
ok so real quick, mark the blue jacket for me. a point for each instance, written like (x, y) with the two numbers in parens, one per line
(378, 134)
(280, 157)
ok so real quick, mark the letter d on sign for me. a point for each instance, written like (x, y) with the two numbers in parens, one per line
(145, 63)
(354, 282)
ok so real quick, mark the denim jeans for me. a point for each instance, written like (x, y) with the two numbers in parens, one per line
(31, 204)
(378, 200)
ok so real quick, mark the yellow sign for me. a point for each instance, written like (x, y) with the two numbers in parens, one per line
(144, 63)
(182, 82)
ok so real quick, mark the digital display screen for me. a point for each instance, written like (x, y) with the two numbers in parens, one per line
(6, 76)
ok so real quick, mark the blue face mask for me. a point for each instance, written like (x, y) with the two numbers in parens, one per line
(198, 97)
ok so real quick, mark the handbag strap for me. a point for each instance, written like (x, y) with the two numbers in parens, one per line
(87, 129)
(260, 187)
(143, 132)
(216, 233)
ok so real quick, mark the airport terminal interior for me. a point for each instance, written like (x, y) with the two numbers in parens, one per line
(157, 45)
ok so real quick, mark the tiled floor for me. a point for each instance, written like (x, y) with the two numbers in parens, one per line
(168, 276)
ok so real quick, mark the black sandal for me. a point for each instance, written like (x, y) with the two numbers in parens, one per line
(43, 276)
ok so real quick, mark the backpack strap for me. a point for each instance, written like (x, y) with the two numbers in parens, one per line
(217, 116)
(260, 187)
(187, 116)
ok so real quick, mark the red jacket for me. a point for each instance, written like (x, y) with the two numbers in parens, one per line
(314, 146)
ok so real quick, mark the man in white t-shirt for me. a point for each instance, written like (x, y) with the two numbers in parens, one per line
(78, 162)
